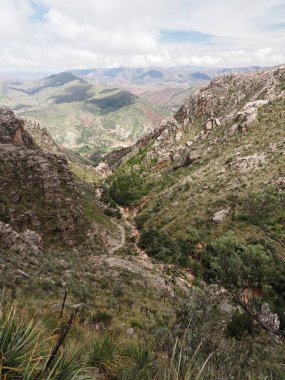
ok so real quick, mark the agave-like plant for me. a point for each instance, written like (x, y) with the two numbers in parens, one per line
(25, 351)
(105, 352)
(65, 368)
(141, 361)
(18, 342)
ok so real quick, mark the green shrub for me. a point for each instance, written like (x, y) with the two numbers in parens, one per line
(160, 246)
(127, 188)
(239, 325)
(101, 317)
(105, 353)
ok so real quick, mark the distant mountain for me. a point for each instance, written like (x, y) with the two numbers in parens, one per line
(166, 87)
(79, 114)
(158, 76)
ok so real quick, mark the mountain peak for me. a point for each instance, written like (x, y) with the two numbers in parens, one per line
(62, 78)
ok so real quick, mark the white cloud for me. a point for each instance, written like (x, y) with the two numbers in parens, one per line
(89, 33)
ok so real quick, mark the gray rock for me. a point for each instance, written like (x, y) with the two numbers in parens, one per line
(226, 308)
(220, 215)
(22, 273)
(268, 318)
(23, 243)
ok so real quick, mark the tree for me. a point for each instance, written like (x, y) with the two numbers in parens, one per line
(243, 270)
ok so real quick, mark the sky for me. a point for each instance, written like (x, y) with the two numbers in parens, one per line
(66, 34)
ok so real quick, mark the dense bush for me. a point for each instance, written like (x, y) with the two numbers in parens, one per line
(160, 246)
(239, 325)
(113, 212)
(127, 188)
(238, 267)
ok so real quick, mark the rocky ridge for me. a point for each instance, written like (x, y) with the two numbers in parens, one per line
(39, 200)
(230, 101)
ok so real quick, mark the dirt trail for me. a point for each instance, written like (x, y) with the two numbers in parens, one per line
(141, 264)
(129, 215)
(116, 244)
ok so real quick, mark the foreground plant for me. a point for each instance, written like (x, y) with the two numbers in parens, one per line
(27, 352)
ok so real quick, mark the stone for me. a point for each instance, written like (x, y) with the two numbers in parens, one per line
(22, 273)
(226, 308)
(130, 331)
(23, 243)
(220, 215)
(103, 170)
(212, 123)
(246, 117)
(194, 157)
(268, 318)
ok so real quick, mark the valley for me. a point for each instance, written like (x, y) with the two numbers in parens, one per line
(81, 116)
(168, 256)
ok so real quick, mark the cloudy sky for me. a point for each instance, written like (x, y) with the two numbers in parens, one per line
(65, 34)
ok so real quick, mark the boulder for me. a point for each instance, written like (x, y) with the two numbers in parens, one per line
(220, 215)
(23, 243)
(268, 318)
(212, 123)
(103, 170)
(246, 117)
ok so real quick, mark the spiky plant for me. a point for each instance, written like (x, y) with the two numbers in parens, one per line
(141, 361)
(25, 350)
(184, 367)
(105, 352)
(18, 343)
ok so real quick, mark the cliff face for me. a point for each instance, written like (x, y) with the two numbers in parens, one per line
(39, 201)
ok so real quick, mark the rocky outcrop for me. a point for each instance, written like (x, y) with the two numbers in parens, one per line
(42, 138)
(211, 124)
(268, 318)
(38, 196)
(23, 243)
(247, 116)
(226, 95)
(12, 130)
(103, 170)
(229, 103)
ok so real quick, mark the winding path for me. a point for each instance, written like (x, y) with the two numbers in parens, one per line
(122, 240)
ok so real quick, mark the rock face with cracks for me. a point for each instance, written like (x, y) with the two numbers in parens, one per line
(39, 201)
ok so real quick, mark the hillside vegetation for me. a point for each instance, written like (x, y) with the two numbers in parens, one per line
(207, 188)
(172, 268)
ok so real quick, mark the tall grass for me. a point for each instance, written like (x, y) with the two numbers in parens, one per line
(185, 367)
(135, 359)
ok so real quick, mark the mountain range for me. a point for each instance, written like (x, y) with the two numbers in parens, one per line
(164, 261)
(81, 115)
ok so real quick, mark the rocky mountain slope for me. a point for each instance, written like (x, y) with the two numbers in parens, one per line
(41, 204)
(225, 141)
(203, 268)
(78, 114)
